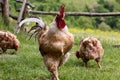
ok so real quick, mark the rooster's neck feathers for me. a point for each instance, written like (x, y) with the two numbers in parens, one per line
(54, 29)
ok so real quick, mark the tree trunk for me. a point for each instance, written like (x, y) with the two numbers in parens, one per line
(5, 12)
(22, 14)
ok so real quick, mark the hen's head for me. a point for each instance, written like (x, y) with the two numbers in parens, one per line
(16, 47)
(16, 44)
(77, 54)
(60, 18)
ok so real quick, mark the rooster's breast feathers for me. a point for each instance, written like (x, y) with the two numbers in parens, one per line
(56, 41)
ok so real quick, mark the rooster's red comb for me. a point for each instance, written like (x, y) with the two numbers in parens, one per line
(60, 18)
(62, 10)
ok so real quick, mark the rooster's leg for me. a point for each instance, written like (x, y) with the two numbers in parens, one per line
(52, 65)
(64, 59)
(54, 75)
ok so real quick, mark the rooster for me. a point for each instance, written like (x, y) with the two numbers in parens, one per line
(8, 41)
(90, 48)
(54, 41)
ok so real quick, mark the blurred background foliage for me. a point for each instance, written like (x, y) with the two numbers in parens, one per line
(102, 23)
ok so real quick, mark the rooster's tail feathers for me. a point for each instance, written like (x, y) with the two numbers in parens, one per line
(39, 21)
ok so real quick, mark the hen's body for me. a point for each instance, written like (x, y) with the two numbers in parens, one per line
(90, 49)
(8, 41)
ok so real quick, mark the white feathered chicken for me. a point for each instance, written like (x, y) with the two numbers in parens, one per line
(54, 41)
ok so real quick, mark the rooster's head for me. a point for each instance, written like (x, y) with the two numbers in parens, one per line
(60, 18)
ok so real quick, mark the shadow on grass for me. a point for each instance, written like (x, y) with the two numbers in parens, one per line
(42, 78)
(74, 63)
(8, 53)
(80, 63)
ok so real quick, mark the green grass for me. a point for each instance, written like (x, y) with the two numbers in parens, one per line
(27, 63)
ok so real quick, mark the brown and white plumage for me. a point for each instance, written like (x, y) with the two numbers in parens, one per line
(90, 48)
(54, 42)
(8, 41)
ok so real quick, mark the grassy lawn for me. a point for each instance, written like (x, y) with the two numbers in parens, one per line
(27, 63)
